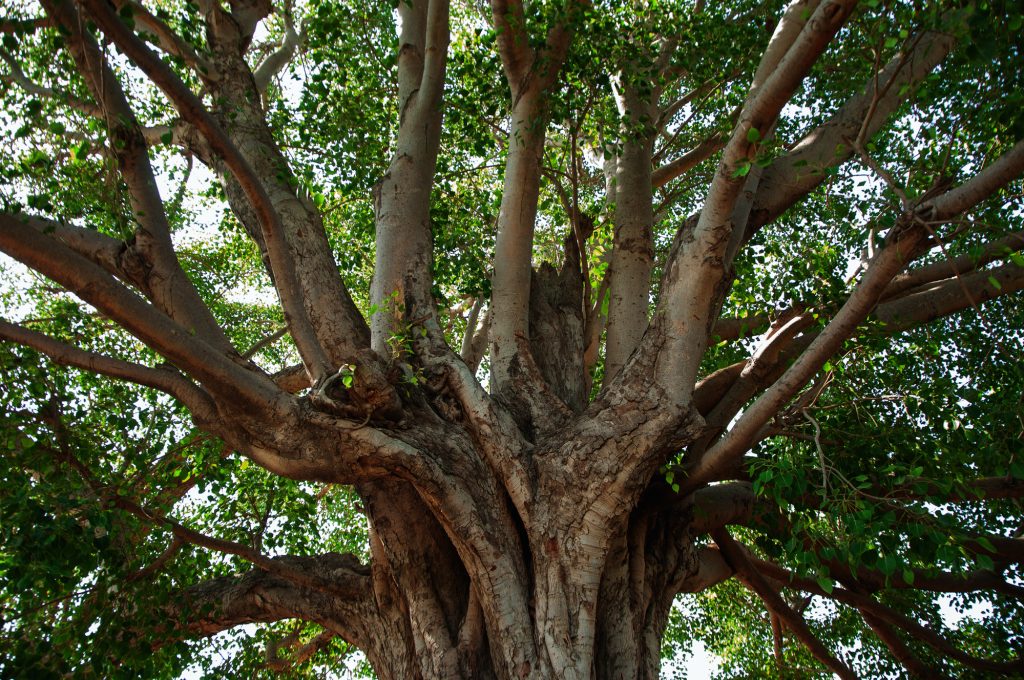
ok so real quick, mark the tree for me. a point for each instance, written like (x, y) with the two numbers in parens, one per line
(574, 309)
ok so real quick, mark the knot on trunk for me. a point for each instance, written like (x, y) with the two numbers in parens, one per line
(364, 389)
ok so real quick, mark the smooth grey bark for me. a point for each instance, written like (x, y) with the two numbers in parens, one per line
(632, 258)
(401, 285)
(513, 250)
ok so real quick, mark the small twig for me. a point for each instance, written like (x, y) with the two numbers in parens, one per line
(266, 342)
(821, 452)
(870, 163)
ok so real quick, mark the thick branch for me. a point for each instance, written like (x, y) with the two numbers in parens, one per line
(402, 280)
(513, 42)
(742, 327)
(890, 616)
(988, 181)
(712, 569)
(23, 25)
(165, 282)
(798, 172)
(949, 268)
(194, 112)
(948, 297)
(99, 248)
(163, 379)
(695, 277)
(904, 242)
(259, 596)
(632, 256)
(719, 505)
(900, 651)
(857, 307)
(194, 356)
(736, 557)
(278, 59)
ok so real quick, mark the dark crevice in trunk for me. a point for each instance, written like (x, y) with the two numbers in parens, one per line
(558, 325)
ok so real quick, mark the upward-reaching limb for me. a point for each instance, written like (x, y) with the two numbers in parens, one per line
(529, 76)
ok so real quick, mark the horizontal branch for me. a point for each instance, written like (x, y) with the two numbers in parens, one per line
(949, 268)
(689, 160)
(923, 579)
(261, 597)
(717, 506)
(342, 582)
(8, 25)
(980, 489)
(163, 379)
(948, 297)
(736, 504)
(92, 284)
(19, 78)
(712, 569)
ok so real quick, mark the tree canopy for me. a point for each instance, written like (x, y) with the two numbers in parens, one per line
(511, 339)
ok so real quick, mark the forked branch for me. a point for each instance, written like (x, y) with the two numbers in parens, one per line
(193, 111)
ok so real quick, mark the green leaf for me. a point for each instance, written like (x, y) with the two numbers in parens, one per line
(985, 543)
(753, 135)
(81, 151)
(742, 170)
(1017, 469)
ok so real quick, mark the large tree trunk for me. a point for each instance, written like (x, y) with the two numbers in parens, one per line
(596, 588)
